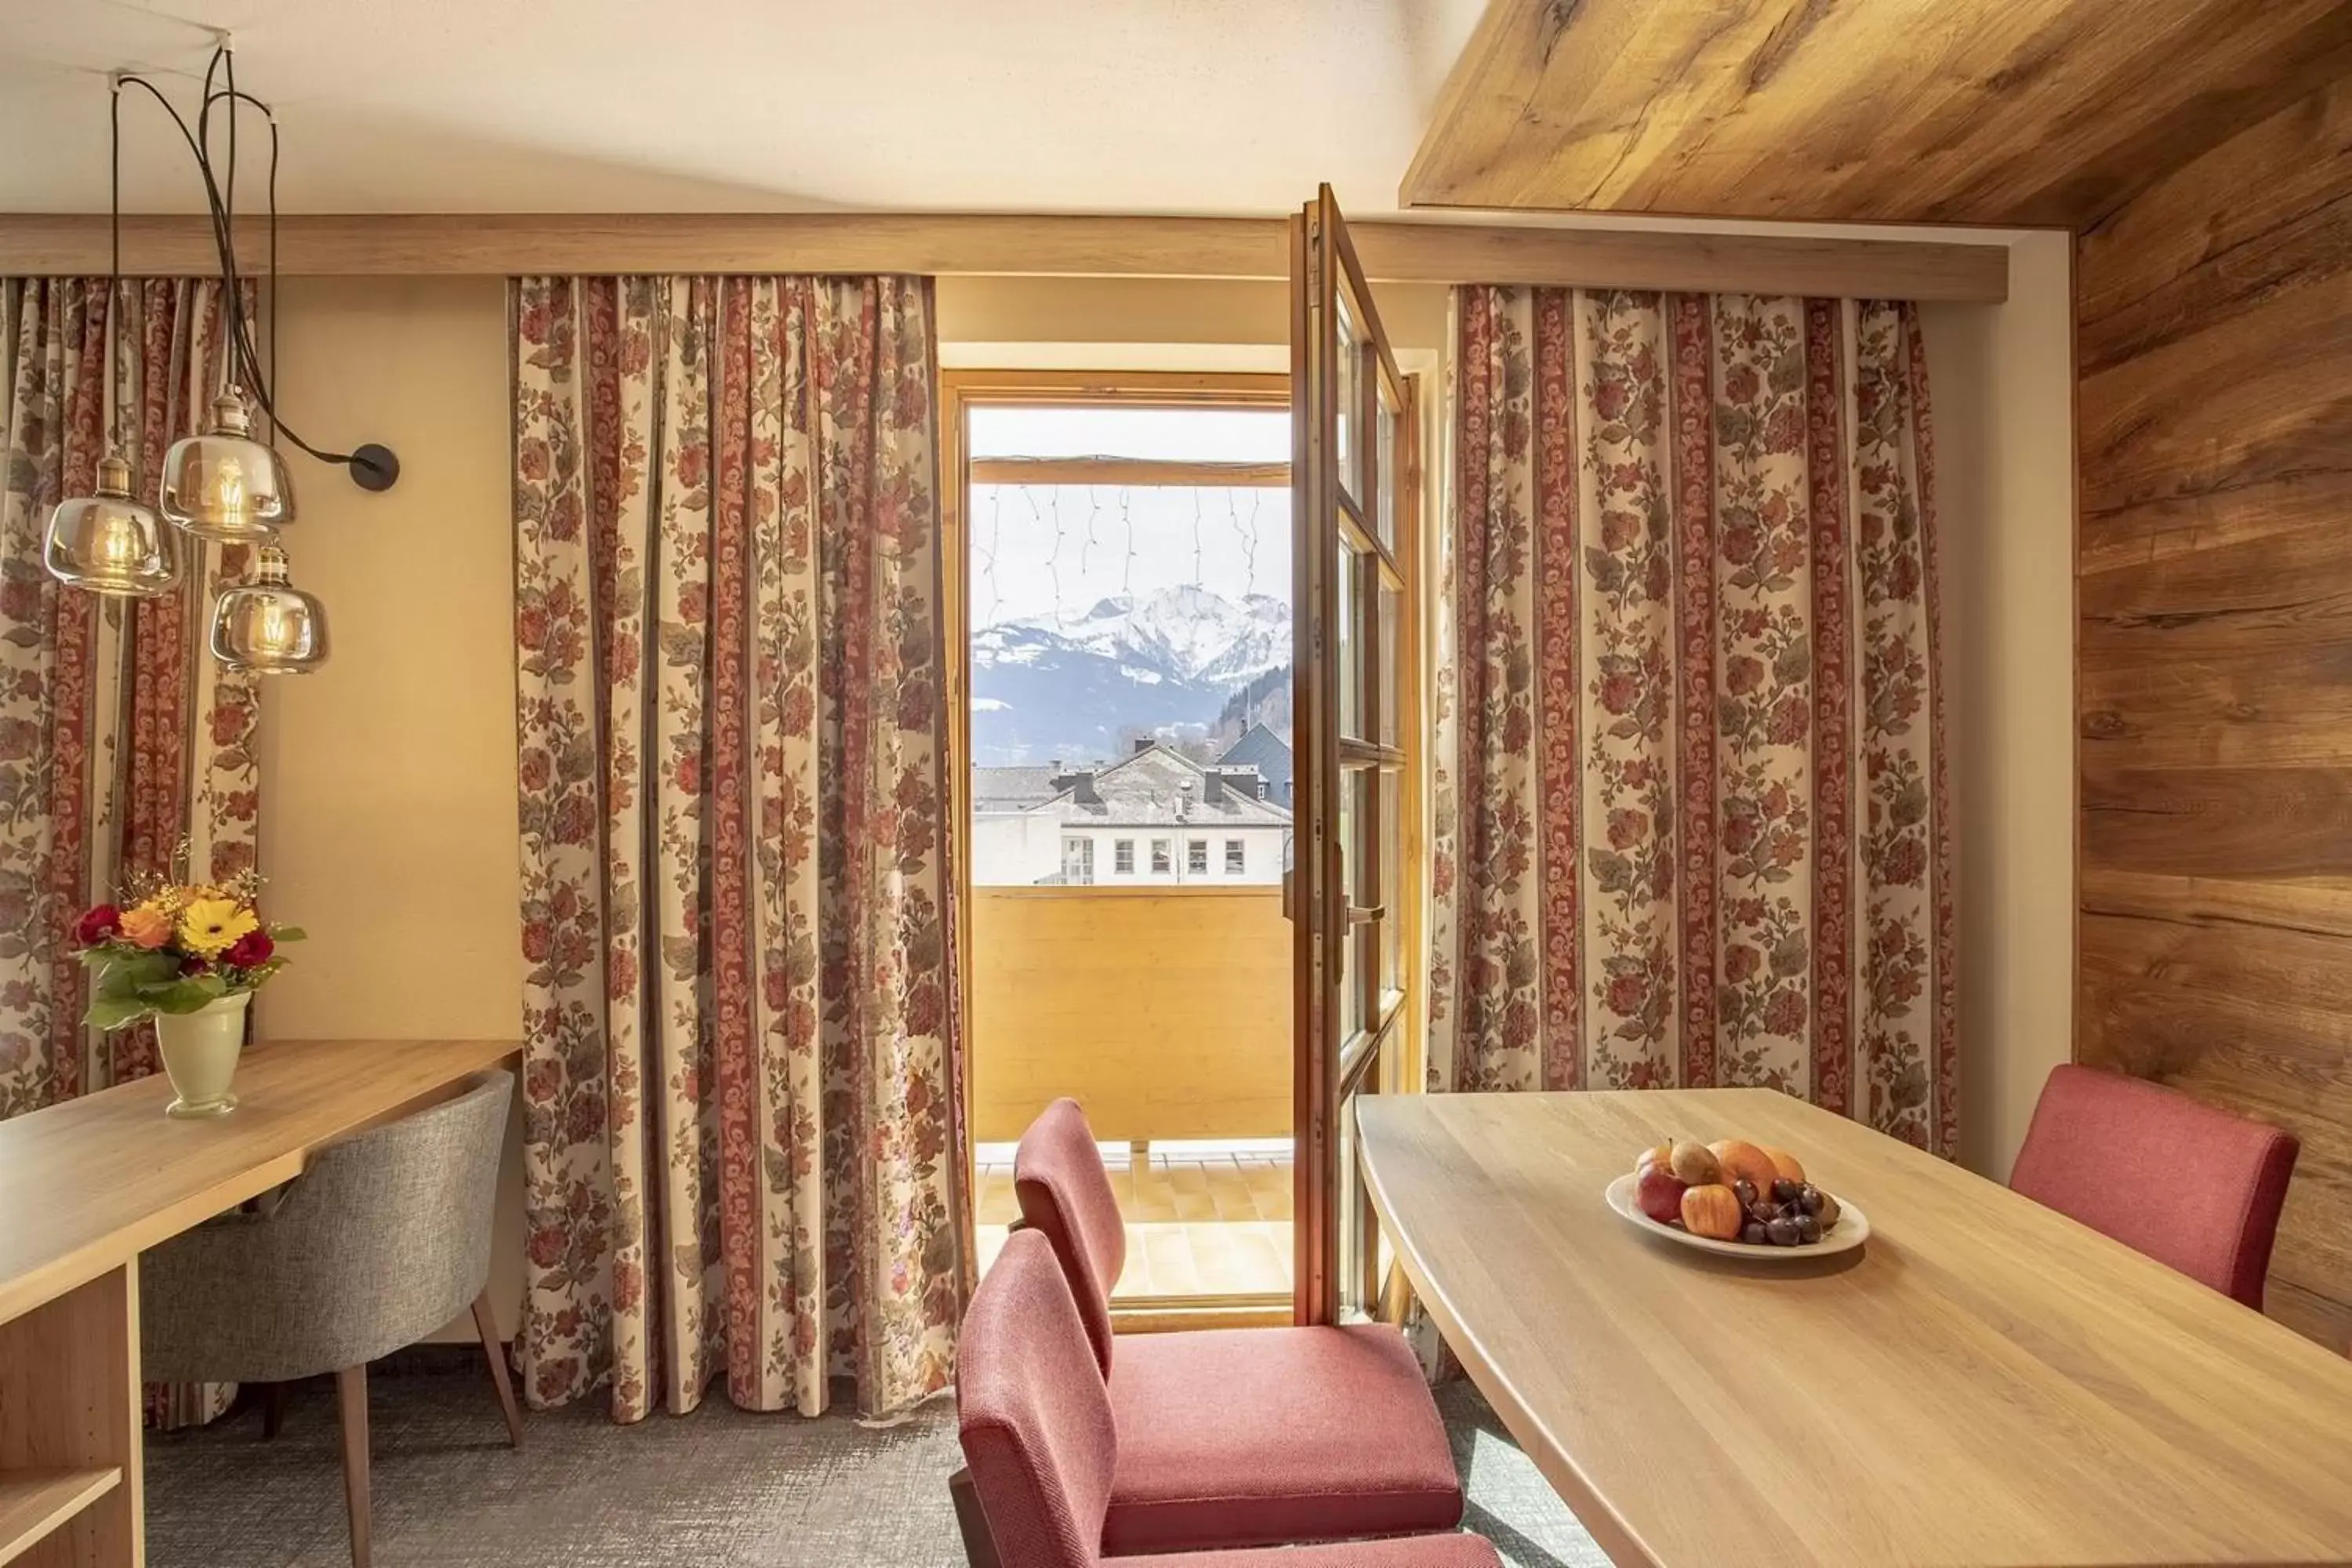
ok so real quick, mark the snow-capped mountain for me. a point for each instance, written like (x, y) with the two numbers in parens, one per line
(1188, 631)
(1167, 663)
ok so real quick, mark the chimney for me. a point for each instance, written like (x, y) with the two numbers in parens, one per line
(1184, 801)
(1212, 788)
(1144, 743)
(1081, 785)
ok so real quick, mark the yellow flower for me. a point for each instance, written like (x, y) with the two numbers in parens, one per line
(145, 925)
(210, 927)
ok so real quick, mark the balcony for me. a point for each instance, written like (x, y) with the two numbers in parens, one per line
(1165, 1012)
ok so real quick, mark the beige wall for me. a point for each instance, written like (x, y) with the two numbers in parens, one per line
(1162, 323)
(390, 774)
(388, 778)
(2001, 378)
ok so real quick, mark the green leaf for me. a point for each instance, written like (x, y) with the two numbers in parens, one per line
(287, 933)
(114, 1012)
(125, 973)
(191, 995)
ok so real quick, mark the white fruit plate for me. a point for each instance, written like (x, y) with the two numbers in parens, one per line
(1853, 1228)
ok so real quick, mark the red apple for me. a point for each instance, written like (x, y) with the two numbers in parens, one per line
(1659, 1193)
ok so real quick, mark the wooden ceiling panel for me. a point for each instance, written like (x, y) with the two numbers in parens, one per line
(1987, 111)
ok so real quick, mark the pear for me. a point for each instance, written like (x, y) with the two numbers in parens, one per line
(1694, 1164)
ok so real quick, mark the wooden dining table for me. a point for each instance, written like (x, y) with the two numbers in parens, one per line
(1984, 1382)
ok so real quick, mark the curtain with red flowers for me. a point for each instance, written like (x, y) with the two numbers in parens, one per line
(742, 1083)
(119, 737)
(1692, 823)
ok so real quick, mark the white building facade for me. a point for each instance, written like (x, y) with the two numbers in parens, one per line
(1113, 855)
(1156, 817)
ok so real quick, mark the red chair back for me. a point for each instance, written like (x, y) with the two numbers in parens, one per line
(2184, 1183)
(1032, 1413)
(1066, 1195)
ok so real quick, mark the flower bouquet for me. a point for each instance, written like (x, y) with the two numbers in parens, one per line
(190, 956)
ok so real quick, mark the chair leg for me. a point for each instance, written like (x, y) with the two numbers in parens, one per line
(978, 1546)
(273, 1410)
(486, 1324)
(351, 1399)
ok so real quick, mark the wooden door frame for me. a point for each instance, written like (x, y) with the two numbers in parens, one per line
(1323, 262)
(1312, 808)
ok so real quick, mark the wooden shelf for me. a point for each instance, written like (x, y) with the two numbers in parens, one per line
(34, 1502)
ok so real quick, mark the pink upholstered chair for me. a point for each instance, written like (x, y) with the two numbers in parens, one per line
(1043, 1447)
(1236, 1438)
(2191, 1186)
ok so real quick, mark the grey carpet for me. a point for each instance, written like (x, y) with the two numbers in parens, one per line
(719, 1489)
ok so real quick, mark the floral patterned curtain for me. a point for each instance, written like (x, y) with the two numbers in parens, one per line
(1692, 825)
(742, 1084)
(118, 735)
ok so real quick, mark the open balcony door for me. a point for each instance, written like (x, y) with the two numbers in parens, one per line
(1355, 480)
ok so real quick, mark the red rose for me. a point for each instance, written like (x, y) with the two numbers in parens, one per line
(98, 925)
(250, 951)
(192, 964)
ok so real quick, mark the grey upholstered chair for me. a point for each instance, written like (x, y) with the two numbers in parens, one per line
(383, 1238)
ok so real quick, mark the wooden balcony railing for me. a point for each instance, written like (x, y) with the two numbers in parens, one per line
(1166, 1010)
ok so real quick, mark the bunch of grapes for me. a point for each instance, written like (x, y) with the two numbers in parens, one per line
(1787, 1215)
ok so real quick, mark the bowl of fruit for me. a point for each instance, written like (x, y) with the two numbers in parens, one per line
(1737, 1198)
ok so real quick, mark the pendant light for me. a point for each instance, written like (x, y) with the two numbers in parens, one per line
(229, 484)
(268, 626)
(109, 543)
(224, 485)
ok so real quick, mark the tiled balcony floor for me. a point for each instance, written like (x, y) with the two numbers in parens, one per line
(1215, 1224)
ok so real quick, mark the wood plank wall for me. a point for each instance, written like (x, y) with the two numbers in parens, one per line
(2215, 362)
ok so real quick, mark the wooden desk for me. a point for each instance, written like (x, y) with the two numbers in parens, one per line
(85, 1187)
(1985, 1383)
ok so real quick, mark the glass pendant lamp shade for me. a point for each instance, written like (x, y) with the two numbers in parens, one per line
(268, 626)
(224, 484)
(109, 543)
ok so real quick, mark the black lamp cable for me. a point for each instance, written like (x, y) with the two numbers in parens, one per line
(374, 466)
(114, 228)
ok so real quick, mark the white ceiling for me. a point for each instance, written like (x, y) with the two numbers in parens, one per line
(1172, 105)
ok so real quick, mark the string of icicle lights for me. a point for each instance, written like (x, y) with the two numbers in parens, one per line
(1054, 534)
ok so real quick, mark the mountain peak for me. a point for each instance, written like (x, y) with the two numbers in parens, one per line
(1184, 631)
(1166, 660)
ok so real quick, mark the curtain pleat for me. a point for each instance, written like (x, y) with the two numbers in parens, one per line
(121, 740)
(120, 737)
(1692, 821)
(745, 1136)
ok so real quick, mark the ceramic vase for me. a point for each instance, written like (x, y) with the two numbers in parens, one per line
(200, 1051)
